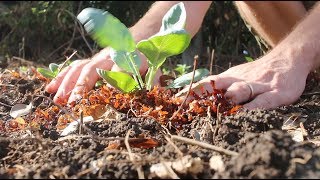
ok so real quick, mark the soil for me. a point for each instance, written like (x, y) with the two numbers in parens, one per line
(261, 147)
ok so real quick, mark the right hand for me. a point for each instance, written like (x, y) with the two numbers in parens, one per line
(82, 76)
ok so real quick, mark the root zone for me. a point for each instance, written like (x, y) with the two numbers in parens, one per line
(158, 103)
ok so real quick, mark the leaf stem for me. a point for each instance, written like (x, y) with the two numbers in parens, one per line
(150, 76)
(136, 75)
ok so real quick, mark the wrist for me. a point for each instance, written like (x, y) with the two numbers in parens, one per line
(298, 54)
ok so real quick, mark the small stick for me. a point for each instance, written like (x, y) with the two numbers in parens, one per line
(126, 142)
(23, 60)
(6, 105)
(203, 145)
(81, 122)
(64, 63)
(209, 59)
(174, 146)
(218, 121)
(66, 43)
(211, 62)
(190, 86)
(7, 85)
(80, 29)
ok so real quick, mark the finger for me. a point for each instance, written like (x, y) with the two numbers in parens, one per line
(267, 100)
(89, 77)
(220, 82)
(53, 86)
(68, 82)
(242, 91)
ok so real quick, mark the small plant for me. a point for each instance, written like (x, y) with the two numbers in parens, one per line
(108, 31)
(181, 69)
(50, 73)
(55, 69)
(247, 57)
(186, 78)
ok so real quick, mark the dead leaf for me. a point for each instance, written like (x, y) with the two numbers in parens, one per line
(20, 110)
(143, 143)
(73, 126)
(110, 113)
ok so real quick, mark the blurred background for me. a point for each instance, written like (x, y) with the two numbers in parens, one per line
(45, 32)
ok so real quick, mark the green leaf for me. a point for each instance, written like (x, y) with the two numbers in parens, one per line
(175, 18)
(123, 60)
(54, 67)
(249, 59)
(122, 81)
(98, 83)
(164, 44)
(106, 29)
(182, 68)
(46, 73)
(186, 78)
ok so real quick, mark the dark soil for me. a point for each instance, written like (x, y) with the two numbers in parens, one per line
(264, 149)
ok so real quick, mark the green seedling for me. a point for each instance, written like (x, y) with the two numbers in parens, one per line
(108, 31)
(186, 78)
(182, 69)
(50, 73)
(247, 57)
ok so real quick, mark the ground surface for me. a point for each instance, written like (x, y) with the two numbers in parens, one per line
(253, 144)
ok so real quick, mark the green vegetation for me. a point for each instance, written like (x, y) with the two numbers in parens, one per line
(108, 31)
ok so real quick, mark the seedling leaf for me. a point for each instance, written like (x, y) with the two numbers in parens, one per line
(249, 59)
(106, 29)
(122, 59)
(122, 81)
(186, 78)
(164, 44)
(46, 73)
(54, 68)
(175, 18)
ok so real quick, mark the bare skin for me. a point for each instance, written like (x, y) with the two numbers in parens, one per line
(70, 83)
(278, 78)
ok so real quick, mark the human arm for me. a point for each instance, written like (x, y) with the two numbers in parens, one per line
(279, 77)
(81, 77)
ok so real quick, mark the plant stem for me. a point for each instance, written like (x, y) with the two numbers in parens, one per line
(137, 75)
(152, 70)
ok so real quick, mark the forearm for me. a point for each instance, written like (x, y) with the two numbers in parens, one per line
(150, 23)
(303, 43)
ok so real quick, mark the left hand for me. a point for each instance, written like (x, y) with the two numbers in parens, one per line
(276, 79)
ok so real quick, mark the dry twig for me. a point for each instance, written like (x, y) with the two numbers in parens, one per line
(174, 146)
(65, 62)
(203, 145)
(190, 86)
(132, 159)
(217, 121)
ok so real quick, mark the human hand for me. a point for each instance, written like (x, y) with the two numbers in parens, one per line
(82, 76)
(275, 79)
